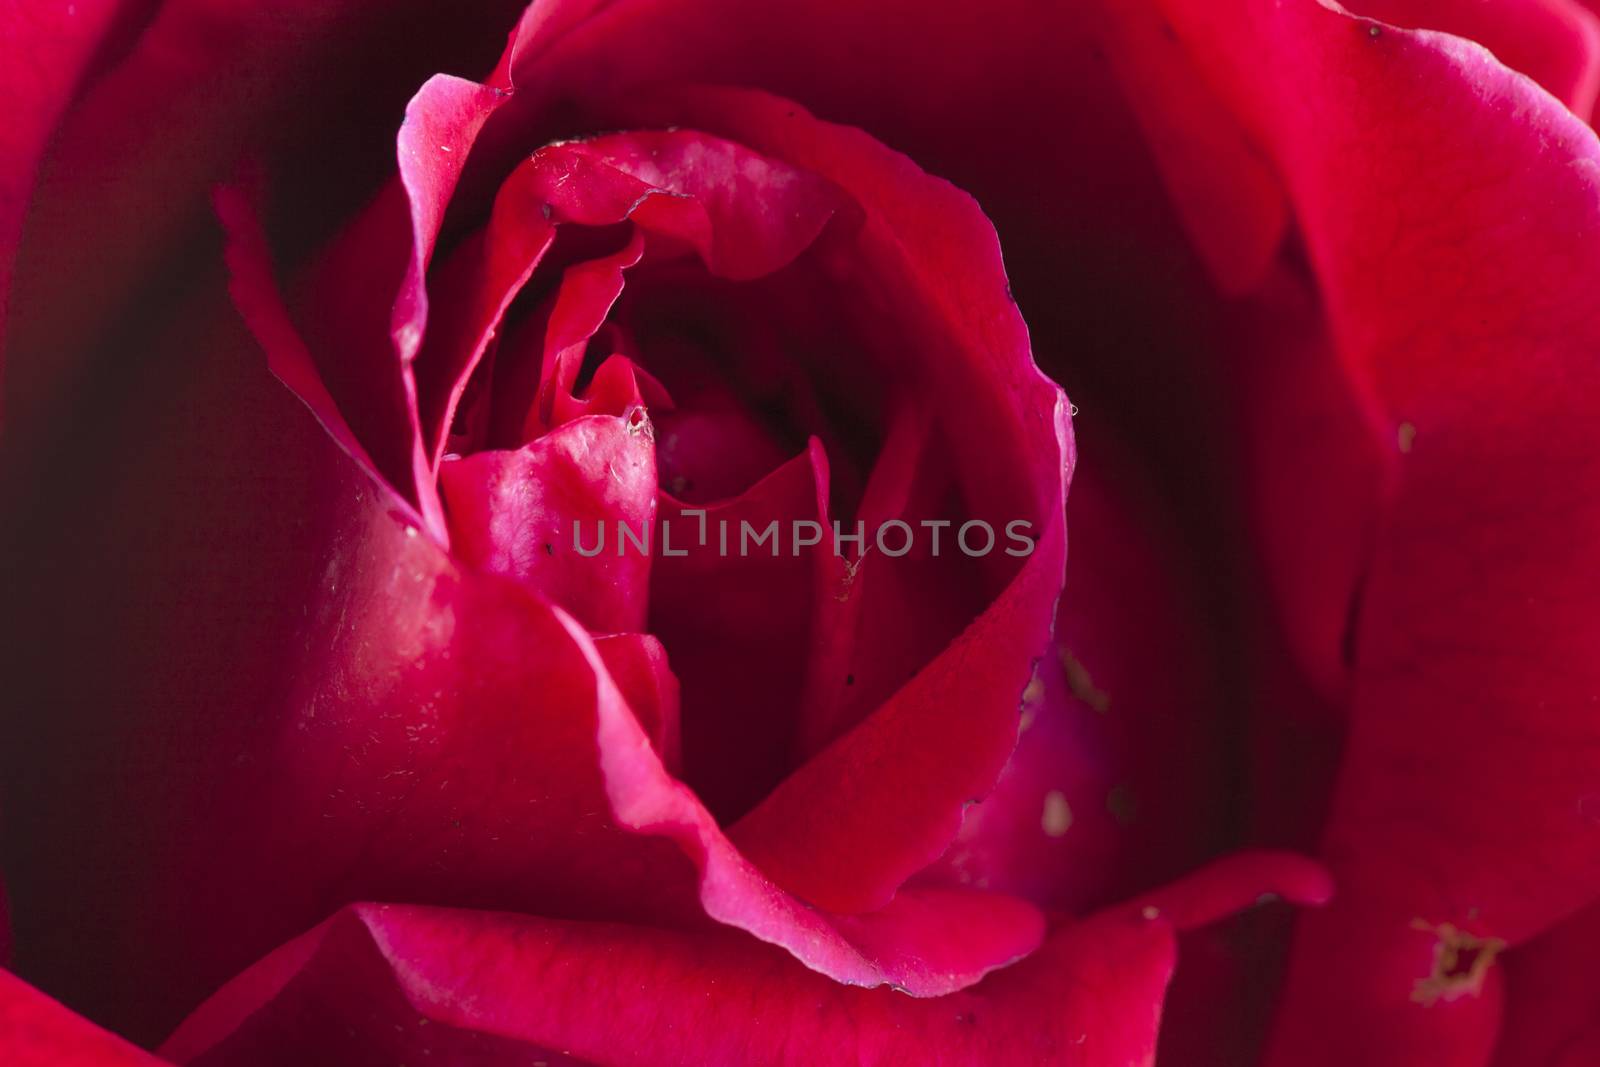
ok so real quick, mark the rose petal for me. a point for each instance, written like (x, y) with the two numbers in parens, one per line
(548, 516)
(1455, 280)
(1554, 42)
(881, 617)
(123, 188)
(1235, 882)
(741, 681)
(1319, 472)
(1552, 1011)
(35, 1031)
(512, 986)
(754, 215)
(586, 294)
(1120, 779)
(255, 294)
(357, 390)
(472, 292)
(396, 725)
(1230, 200)
(59, 42)
(455, 739)
(441, 123)
(638, 664)
(942, 739)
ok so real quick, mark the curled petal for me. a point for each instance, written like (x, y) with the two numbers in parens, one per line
(417, 982)
(1222, 888)
(552, 515)
(1120, 779)
(940, 741)
(1554, 42)
(442, 122)
(1456, 282)
(1552, 1011)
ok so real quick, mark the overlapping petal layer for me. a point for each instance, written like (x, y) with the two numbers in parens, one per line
(1451, 238)
(381, 983)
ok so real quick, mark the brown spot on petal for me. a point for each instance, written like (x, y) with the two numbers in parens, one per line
(1122, 804)
(1461, 962)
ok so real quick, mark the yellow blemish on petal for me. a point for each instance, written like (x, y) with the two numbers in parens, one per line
(1030, 715)
(1035, 690)
(1405, 436)
(1082, 685)
(1057, 816)
(1461, 962)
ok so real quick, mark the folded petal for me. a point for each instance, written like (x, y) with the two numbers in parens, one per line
(119, 226)
(397, 726)
(1230, 199)
(941, 740)
(1552, 1010)
(1456, 280)
(1121, 778)
(555, 515)
(1233, 883)
(452, 738)
(442, 121)
(403, 983)
(638, 664)
(737, 609)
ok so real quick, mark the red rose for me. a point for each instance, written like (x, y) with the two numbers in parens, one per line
(337, 735)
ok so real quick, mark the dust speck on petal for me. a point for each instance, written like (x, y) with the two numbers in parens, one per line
(1034, 691)
(1056, 819)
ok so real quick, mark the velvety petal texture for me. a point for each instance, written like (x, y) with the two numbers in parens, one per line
(472, 987)
(1554, 42)
(820, 863)
(177, 95)
(1471, 749)
(1119, 778)
(659, 807)
(380, 982)
(35, 1031)
(1552, 1016)
(51, 48)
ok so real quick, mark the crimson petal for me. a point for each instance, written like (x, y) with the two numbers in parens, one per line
(401, 983)
(1456, 283)
(35, 1031)
(523, 515)
(59, 41)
